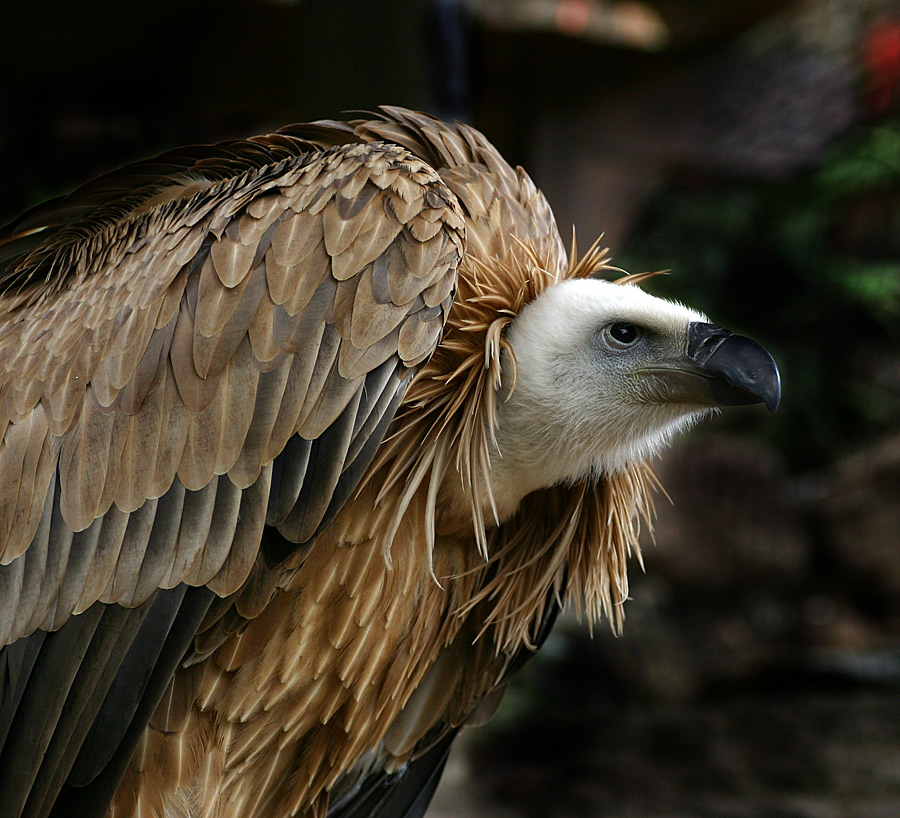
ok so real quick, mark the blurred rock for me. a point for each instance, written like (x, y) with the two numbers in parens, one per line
(729, 522)
(861, 519)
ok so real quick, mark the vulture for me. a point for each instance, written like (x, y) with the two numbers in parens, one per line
(306, 439)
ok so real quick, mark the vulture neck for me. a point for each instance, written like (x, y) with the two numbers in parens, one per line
(527, 517)
(510, 480)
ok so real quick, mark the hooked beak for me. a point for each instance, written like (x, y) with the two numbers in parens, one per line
(720, 368)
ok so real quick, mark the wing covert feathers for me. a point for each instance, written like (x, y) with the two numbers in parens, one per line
(218, 326)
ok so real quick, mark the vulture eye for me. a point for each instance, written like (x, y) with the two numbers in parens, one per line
(621, 334)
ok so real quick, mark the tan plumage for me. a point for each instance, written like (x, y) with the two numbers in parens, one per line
(199, 358)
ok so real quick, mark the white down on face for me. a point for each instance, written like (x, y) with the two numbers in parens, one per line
(581, 404)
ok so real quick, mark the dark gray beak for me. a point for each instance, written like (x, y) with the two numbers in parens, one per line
(737, 370)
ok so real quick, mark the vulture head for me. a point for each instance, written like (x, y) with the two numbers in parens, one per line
(601, 375)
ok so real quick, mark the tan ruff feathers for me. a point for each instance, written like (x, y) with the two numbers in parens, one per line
(449, 418)
(638, 278)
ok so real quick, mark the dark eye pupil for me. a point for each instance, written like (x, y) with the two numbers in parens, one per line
(623, 333)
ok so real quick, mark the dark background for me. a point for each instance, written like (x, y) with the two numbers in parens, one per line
(750, 148)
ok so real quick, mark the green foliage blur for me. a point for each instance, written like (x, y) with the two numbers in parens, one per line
(808, 266)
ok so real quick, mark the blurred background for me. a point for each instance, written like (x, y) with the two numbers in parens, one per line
(749, 147)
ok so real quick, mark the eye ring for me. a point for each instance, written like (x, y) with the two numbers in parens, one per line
(621, 334)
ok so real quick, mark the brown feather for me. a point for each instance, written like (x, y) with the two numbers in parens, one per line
(315, 389)
(84, 455)
(131, 554)
(371, 321)
(343, 305)
(231, 260)
(392, 265)
(161, 546)
(11, 581)
(294, 239)
(418, 336)
(127, 348)
(146, 374)
(223, 318)
(27, 463)
(115, 474)
(445, 284)
(263, 416)
(203, 441)
(192, 534)
(316, 279)
(340, 231)
(143, 441)
(354, 362)
(247, 529)
(239, 399)
(214, 552)
(35, 566)
(369, 244)
(302, 367)
(106, 556)
(196, 391)
(264, 340)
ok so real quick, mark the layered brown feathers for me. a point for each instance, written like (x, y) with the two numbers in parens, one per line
(202, 354)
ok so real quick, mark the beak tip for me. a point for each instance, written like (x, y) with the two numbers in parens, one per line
(773, 398)
(771, 392)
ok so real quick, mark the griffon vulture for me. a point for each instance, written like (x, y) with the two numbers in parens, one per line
(305, 440)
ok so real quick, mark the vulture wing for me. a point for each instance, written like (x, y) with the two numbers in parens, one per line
(198, 354)
(407, 794)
